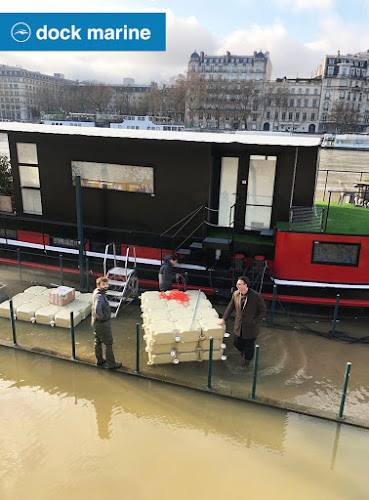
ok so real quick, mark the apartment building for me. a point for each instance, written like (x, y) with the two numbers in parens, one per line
(345, 92)
(336, 98)
(232, 68)
(292, 105)
(234, 85)
(19, 90)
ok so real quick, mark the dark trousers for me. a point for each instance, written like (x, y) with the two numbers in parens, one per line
(103, 336)
(247, 346)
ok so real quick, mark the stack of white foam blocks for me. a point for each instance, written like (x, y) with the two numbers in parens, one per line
(177, 332)
(33, 305)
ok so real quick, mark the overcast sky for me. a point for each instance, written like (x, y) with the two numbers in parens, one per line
(297, 33)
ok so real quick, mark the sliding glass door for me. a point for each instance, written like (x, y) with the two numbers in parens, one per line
(260, 189)
(227, 189)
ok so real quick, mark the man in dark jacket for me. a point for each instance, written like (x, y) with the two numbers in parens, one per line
(100, 321)
(249, 307)
(166, 274)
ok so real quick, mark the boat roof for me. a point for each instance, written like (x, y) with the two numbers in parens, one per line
(253, 138)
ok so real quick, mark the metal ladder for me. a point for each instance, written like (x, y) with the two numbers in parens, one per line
(123, 282)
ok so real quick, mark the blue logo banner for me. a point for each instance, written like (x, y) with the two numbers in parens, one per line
(83, 32)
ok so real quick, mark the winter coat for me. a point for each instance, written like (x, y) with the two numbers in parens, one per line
(166, 275)
(100, 313)
(248, 318)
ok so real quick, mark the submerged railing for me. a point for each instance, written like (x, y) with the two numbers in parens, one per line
(210, 372)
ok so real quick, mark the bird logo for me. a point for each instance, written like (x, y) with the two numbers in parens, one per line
(20, 32)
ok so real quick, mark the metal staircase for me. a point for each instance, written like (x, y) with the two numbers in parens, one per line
(123, 282)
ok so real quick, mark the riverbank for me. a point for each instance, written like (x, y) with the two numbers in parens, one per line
(297, 371)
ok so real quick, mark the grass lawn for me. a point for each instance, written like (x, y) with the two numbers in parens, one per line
(346, 219)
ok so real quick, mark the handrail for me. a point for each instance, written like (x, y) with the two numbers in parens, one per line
(185, 224)
(106, 255)
(195, 309)
(183, 219)
(189, 236)
(11, 217)
(127, 258)
(188, 218)
(126, 263)
(230, 213)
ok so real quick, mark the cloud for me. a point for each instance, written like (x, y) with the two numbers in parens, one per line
(289, 57)
(300, 5)
(184, 35)
(335, 34)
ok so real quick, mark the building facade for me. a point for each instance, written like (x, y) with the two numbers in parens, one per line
(344, 104)
(20, 90)
(232, 68)
(232, 90)
(238, 94)
(292, 105)
(130, 98)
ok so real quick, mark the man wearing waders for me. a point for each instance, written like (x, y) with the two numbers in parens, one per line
(100, 321)
(166, 274)
(249, 307)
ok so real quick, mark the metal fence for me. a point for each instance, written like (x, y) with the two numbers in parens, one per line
(337, 180)
(310, 219)
(136, 350)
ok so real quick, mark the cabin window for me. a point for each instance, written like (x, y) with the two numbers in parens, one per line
(29, 178)
(63, 242)
(27, 153)
(335, 254)
(31, 201)
(132, 178)
(260, 189)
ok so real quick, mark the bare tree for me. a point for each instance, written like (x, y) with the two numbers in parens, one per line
(276, 95)
(72, 99)
(177, 97)
(246, 96)
(96, 98)
(157, 100)
(49, 98)
(216, 101)
(123, 99)
(345, 118)
(196, 94)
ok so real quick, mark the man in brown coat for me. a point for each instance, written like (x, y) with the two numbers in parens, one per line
(249, 309)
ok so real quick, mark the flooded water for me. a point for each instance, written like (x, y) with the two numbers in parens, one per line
(296, 369)
(340, 170)
(70, 431)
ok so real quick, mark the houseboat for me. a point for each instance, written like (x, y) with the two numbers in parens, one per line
(358, 142)
(129, 122)
(224, 203)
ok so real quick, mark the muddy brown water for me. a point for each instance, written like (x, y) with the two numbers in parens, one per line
(75, 432)
(345, 169)
(295, 367)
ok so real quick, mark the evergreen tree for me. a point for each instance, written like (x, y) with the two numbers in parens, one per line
(6, 179)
